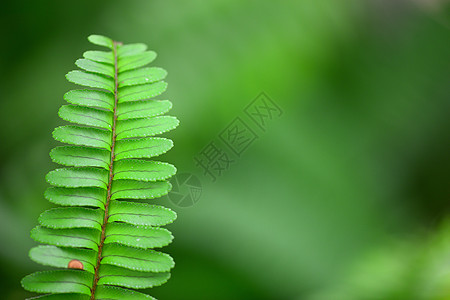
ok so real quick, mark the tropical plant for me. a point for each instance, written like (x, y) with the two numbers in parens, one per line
(102, 243)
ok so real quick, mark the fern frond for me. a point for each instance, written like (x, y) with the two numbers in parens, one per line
(102, 222)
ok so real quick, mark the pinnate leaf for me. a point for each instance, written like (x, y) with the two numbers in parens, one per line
(112, 239)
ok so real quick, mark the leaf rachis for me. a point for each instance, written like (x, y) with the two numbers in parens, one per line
(111, 176)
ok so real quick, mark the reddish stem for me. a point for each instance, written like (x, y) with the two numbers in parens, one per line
(111, 175)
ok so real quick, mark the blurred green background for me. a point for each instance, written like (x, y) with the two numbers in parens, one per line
(345, 196)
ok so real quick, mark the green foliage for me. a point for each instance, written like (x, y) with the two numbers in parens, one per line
(107, 163)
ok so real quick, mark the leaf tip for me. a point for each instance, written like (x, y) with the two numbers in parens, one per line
(101, 40)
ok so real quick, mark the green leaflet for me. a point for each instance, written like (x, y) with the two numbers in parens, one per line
(63, 297)
(103, 292)
(144, 237)
(141, 92)
(129, 278)
(143, 170)
(91, 80)
(133, 61)
(78, 177)
(142, 148)
(78, 237)
(95, 67)
(81, 156)
(60, 257)
(142, 109)
(100, 56)
(86, 116)
(98, 224)
(59, 281)
(84, 136)
(131, 189)
(86, 196)
(116, 293)
(140, 213)
(143, 260)
(101, 40)
(145, 127)
(91, 98)
(141, 76)
(130, 49)
(72, 217)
